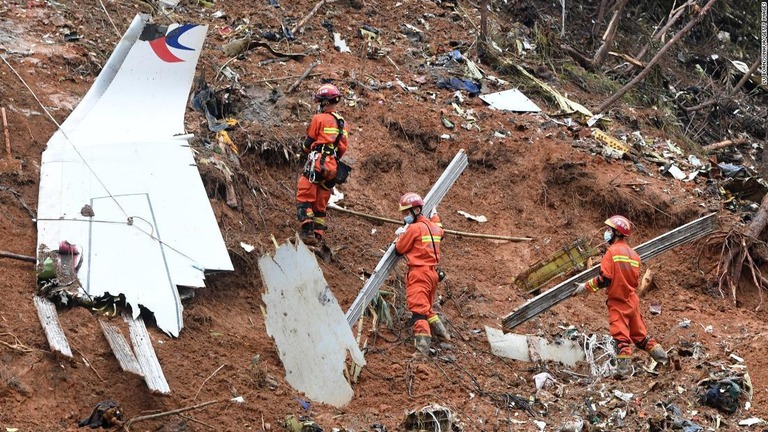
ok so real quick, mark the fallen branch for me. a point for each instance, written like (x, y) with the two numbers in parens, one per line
(4, 254)
(609, 35)
(17, 195)
(282, 78)
(302, 77)
(306, 18)
(675, 15)
(206, 380)
(447, 231)
(627, 58)
(127, 424)
(723, 144)
(622, 91)
(17, 345)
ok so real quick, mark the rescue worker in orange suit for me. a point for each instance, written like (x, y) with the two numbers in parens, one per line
(619, 274)
(326, 142)
(419, 241)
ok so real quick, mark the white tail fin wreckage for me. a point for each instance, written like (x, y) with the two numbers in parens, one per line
(122, 210)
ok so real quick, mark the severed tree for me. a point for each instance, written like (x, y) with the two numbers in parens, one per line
(738, 249)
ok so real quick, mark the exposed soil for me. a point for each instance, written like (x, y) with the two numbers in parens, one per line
(528, 174)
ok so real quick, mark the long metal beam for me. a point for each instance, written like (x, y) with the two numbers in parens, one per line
(388, 261)
(559, 293)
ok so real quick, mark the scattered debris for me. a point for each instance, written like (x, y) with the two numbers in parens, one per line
(752, 421)
(480, 219)
(533, 348)
(432, 418)
(340, 44)
(106, 414)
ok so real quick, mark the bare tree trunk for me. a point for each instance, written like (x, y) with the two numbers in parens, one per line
(600, 15)
(723, 144)
(609, 36)
(484, 21)
(674, 16)
(695, 20)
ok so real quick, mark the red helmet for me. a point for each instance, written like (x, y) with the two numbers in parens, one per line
(410, 200)
(620, 224)
(328, 93)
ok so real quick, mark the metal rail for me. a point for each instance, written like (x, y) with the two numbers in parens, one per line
(388, 261)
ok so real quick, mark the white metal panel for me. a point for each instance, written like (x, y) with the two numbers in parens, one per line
(510, 100)
(120, 157)
(308, 325)
(141, 96)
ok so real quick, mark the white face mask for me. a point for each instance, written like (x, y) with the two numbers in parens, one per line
(607, 236)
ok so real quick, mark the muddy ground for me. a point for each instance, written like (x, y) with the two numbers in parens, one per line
(529, 174)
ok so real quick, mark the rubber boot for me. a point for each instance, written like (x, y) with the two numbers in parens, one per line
(307, 234)
(422, 345)
(659, 354)
(623, 367)
(439, 330)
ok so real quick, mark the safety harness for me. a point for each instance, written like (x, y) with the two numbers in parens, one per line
(326, 150)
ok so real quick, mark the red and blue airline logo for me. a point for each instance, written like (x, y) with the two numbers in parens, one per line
(161, 43)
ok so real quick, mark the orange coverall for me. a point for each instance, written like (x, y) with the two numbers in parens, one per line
(420, 243)
(312, 198)
(619, 272)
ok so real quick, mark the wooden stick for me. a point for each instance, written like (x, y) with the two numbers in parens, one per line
(622, 91)
(723, 144)
(301, 78)
(4, 254)
(448, 231)
(7, 136)
(304, 20)
(206, 380)
(282, 78)
(127, 424)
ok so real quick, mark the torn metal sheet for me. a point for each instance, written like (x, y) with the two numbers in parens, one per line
(120, 347)
(510, 100)
(122, 155)
(610, 142)
(567, 258)
(388, 261)
(145, 355)
(49, 319)
(520, 347)
(308, 325)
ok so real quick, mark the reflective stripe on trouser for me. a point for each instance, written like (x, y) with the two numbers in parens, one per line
(628, 327)
(420, 287)
(319, 220)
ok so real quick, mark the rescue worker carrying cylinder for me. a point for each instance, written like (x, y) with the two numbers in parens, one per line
(619, 274)
(419, 241)
(326, 142)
